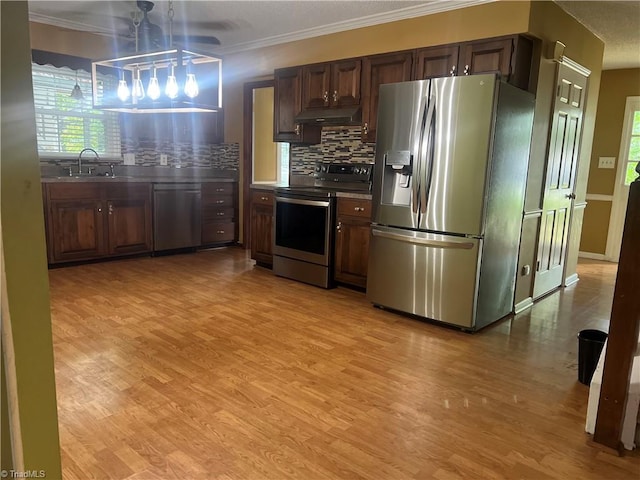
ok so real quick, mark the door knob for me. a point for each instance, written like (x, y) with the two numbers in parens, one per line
(571, 196)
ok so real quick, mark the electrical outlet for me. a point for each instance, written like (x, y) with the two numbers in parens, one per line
(163, 159)
(129, 159)
(606, 162)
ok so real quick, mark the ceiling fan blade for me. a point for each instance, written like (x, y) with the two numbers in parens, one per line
(203, 39)
(219, 25)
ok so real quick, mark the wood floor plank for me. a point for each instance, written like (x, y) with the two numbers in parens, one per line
(200, 366)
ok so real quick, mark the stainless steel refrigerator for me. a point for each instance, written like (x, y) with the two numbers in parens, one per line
(448, 197)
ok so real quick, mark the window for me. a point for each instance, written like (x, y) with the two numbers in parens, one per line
(283, 163)
(64, 125)
(634, 148)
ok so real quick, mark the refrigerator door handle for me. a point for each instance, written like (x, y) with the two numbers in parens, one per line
(422, 241)
(426, 156)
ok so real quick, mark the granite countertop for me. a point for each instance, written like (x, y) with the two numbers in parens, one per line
(267, 186)
(125, 174)
(344, 194)
(138, 179)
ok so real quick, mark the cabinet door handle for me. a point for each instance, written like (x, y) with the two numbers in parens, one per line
(220, 214)
(359, 209)
(220, 232)
(219, 201)
(297, 130)
(219, 189)
(452, 72)
(365, 128)
(110, 208)
(335, 96)
(339, 227)
(325, 97)
(264, 198)
(467, 70)
(99, 208)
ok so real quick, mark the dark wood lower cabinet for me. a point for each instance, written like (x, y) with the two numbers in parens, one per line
(76, 230)
(129, 222)
(219, 223)
(87, 221)
(262, 227)
(352, 241)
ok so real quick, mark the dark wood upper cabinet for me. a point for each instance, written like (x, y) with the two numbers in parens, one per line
(378, 70)
(287, 104)
(345, 83)
(329, 85)
(509, 56)
(492, 56)
(315, 85)
(432, 62)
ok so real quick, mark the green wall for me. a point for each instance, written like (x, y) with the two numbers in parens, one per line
(23, 241)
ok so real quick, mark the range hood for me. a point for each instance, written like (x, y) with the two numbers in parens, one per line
(331, 116)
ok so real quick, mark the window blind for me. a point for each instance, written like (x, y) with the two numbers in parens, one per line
(64, 125)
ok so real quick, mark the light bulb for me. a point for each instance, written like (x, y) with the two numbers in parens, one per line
(138, 88)
(153, 90)
(171, 89)
(191, 86)
(123, 90)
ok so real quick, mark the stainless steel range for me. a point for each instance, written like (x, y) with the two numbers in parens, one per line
(304, 222)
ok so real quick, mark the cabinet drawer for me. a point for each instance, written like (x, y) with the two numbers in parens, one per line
(215, 214)
(262, 197)
(73, 191)
(218, 232)
(355, 207)
(222, 188)
(217, 201)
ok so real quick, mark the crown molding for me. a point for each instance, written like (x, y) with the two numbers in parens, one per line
(436, 6)
(69, 24)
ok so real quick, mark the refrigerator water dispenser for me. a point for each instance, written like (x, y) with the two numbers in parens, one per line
(396, 177)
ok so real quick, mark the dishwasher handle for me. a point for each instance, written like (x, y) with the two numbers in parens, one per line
(159, 187)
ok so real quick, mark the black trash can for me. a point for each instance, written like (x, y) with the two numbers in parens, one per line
(590, 344)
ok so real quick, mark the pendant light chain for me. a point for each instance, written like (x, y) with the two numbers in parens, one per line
(171, 13)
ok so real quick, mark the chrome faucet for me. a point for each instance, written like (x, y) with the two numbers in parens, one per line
(80, 159)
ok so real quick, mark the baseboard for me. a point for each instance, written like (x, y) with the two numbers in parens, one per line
(592, 256)
(571, 279)
(523, 305)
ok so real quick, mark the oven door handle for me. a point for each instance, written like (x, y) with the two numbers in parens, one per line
(299, 201)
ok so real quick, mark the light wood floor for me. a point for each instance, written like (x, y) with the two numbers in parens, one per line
(201, 366)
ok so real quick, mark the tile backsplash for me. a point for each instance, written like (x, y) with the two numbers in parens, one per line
(147, 154)
(338, 145)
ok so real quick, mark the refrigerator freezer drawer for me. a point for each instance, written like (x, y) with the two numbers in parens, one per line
(425, 274)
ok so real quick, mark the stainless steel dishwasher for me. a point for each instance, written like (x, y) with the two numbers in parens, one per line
(176, 216)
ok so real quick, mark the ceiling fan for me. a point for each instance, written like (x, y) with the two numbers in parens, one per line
(148, 36)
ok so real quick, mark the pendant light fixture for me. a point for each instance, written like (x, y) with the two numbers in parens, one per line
(193, 80)
(171, 89)
(153, 90)
(76, 93)
(123, 92)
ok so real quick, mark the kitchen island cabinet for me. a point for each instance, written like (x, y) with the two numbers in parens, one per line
(352, 241)
(87, 221)
(262, 227)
